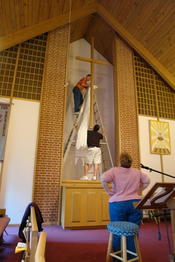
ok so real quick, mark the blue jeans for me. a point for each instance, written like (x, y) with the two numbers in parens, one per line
(125, 211)
(78, 99)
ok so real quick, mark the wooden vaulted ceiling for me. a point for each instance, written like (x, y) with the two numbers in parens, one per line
(147, 26)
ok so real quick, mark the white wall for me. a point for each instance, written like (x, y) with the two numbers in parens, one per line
(103, 78)
(18, 168)
(153, 160)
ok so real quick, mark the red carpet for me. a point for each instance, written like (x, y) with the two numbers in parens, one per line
(88, 245)
(7, 249)
(152, 249)
(76, 245)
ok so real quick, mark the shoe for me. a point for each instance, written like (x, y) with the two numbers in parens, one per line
(94, 178)
(76, 113)
(84, 178)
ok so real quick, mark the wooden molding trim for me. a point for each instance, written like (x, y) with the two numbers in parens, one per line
(45, 26)
(110, 20)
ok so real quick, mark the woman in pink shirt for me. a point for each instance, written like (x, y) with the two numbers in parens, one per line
(127, 185)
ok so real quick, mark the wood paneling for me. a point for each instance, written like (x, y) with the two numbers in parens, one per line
(84, 203)
(17, 15)
(45, 26)
(103, 34)
(151, 24)
(79, 27)
(133, 42)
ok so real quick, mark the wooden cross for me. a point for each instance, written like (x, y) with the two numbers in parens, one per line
(93, 62)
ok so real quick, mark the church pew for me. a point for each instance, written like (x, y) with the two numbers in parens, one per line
(33, 235)
(40, 251)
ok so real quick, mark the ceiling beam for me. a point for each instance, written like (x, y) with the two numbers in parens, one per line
(45, 26)
(159, 68)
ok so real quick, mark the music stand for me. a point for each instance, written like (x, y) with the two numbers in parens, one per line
(162, 199)
(157, 200)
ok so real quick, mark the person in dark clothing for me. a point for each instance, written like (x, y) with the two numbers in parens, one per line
(93, 155)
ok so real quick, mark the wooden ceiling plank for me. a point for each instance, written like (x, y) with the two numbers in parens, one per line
(164, 40)
(15, 15)
(156, 21)
(6, 10)
(56, 5)
(164, 73)
(79, 27)
(101, 43)
(21, 15)
(3, 24)
(40, 13)
(45, 26)
(67, 6)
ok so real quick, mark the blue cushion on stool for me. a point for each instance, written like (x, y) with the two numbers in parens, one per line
(123, 228)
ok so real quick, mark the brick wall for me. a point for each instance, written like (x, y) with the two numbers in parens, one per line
(47, 191)
(125, 97)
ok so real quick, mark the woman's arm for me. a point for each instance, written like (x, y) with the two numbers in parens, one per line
(105, 179)
(106, 188)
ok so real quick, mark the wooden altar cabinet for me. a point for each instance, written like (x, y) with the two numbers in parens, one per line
(84, 204)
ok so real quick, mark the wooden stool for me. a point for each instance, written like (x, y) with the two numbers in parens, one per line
(123, 229)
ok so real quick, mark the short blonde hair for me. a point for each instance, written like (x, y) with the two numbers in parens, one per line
(125, 160)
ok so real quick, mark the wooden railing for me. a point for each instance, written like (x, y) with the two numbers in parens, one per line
(35, 248)
(33, 234)
(40, 251)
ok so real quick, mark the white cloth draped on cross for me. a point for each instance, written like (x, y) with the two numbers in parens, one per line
(81, 142)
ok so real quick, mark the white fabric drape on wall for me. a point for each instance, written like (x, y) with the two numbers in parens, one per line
(83, 122)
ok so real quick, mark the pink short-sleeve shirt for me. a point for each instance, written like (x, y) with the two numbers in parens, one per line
(126, 183)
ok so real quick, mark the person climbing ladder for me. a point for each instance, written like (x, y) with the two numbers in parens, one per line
(78, 92)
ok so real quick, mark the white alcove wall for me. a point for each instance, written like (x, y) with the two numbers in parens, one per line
(103, 78)
(18, 167)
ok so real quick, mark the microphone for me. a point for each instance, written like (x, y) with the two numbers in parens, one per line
(145, 167)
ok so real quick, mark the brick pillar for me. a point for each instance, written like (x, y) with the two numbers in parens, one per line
(47, 190)
(125, 97)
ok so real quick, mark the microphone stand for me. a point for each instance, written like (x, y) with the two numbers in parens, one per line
(151, 169)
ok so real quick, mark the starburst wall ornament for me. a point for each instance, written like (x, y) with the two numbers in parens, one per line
(159, 137)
